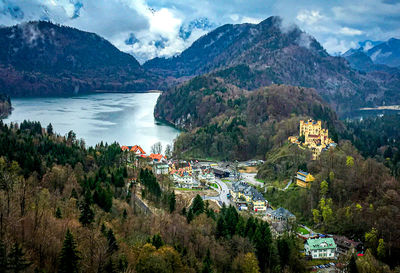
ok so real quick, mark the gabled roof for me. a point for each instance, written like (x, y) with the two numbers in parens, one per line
(302, 173)
(321, 243)
(136, 149)
(157, 157)
(281, 212)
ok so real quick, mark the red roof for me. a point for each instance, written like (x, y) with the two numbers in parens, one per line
(157, 157)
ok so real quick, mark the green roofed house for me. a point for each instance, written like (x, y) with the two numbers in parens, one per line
(321, 248)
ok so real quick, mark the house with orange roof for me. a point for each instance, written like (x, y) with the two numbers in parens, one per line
(183, 179)
(135, 149)
(157, 157)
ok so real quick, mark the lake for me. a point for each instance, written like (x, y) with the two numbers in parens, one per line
(125, 118)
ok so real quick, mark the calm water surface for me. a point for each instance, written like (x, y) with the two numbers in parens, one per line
(125, 118)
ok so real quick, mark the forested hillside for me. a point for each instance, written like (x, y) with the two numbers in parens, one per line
(270, 52)
(65, 208)
(351, 196)
(226, 122)
(41, 58)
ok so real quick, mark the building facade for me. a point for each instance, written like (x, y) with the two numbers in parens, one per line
(321, 248)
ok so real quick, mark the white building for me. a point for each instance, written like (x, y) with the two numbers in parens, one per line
(160, 168)
(321, 248)
(184, 180)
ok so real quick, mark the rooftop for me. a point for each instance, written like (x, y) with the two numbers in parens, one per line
(321, 243)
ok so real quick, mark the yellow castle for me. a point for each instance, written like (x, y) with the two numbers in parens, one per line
(315, 138)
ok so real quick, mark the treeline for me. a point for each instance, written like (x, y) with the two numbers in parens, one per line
(225, 122)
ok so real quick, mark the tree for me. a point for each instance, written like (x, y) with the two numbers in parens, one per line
(69, 256)
(168, 151)
(381, 249)
(171, 202)
(87, 213)
(324, 188)
(49, 129)
(112, 242)
(198, 205)
(263, 244)
(157, 241)
(349, 161)
(156, 148)
(245, 263)
(3, 257)
(58, 213)
(352, 266)
(190, 215)
(16, 261)
(207, 263)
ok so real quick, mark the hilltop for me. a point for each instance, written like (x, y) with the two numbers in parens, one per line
(227, 122)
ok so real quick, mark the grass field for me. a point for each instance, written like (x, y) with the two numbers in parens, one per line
(303, 231)
(215, 185)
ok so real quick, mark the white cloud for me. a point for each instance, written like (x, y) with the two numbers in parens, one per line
(156, 23)
(350, 31)
(309, 17)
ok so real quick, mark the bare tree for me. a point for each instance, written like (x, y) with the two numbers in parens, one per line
(156, 148)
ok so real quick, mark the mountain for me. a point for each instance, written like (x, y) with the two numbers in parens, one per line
(274, 53)
(375, 56)
(41, 58)
(387, 53)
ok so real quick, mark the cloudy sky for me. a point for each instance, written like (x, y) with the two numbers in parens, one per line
(150, 28)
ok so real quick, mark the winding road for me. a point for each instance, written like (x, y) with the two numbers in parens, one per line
(223, 190)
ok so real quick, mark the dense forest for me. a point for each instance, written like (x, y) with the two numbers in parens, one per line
(225, 122)
(66, 208)
(377, 137)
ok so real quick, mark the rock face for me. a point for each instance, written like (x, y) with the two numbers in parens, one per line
(272, 53)
(41, 58)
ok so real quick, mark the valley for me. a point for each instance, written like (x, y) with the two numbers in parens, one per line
(261, 153)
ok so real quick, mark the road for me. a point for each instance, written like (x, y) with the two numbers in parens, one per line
(223, 190)
(288, 185)
(251, 179)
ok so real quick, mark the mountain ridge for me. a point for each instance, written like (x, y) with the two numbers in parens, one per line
(42, 58)
(281, 55)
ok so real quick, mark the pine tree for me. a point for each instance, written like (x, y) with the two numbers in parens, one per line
(112, 241)
(124, 214)
(172, 202)
(207, 263)
(69, 256)
(198, 205)
(190, 215)
(50, 129)
(87, 213)
(157, 241)
(74, 194)
(103, 229)
(16, 261)
(58, 213)
(3, 257)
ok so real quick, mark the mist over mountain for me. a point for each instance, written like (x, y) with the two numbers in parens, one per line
(41, 58)
(276, 53)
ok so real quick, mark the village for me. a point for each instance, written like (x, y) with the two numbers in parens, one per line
(236, 184)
